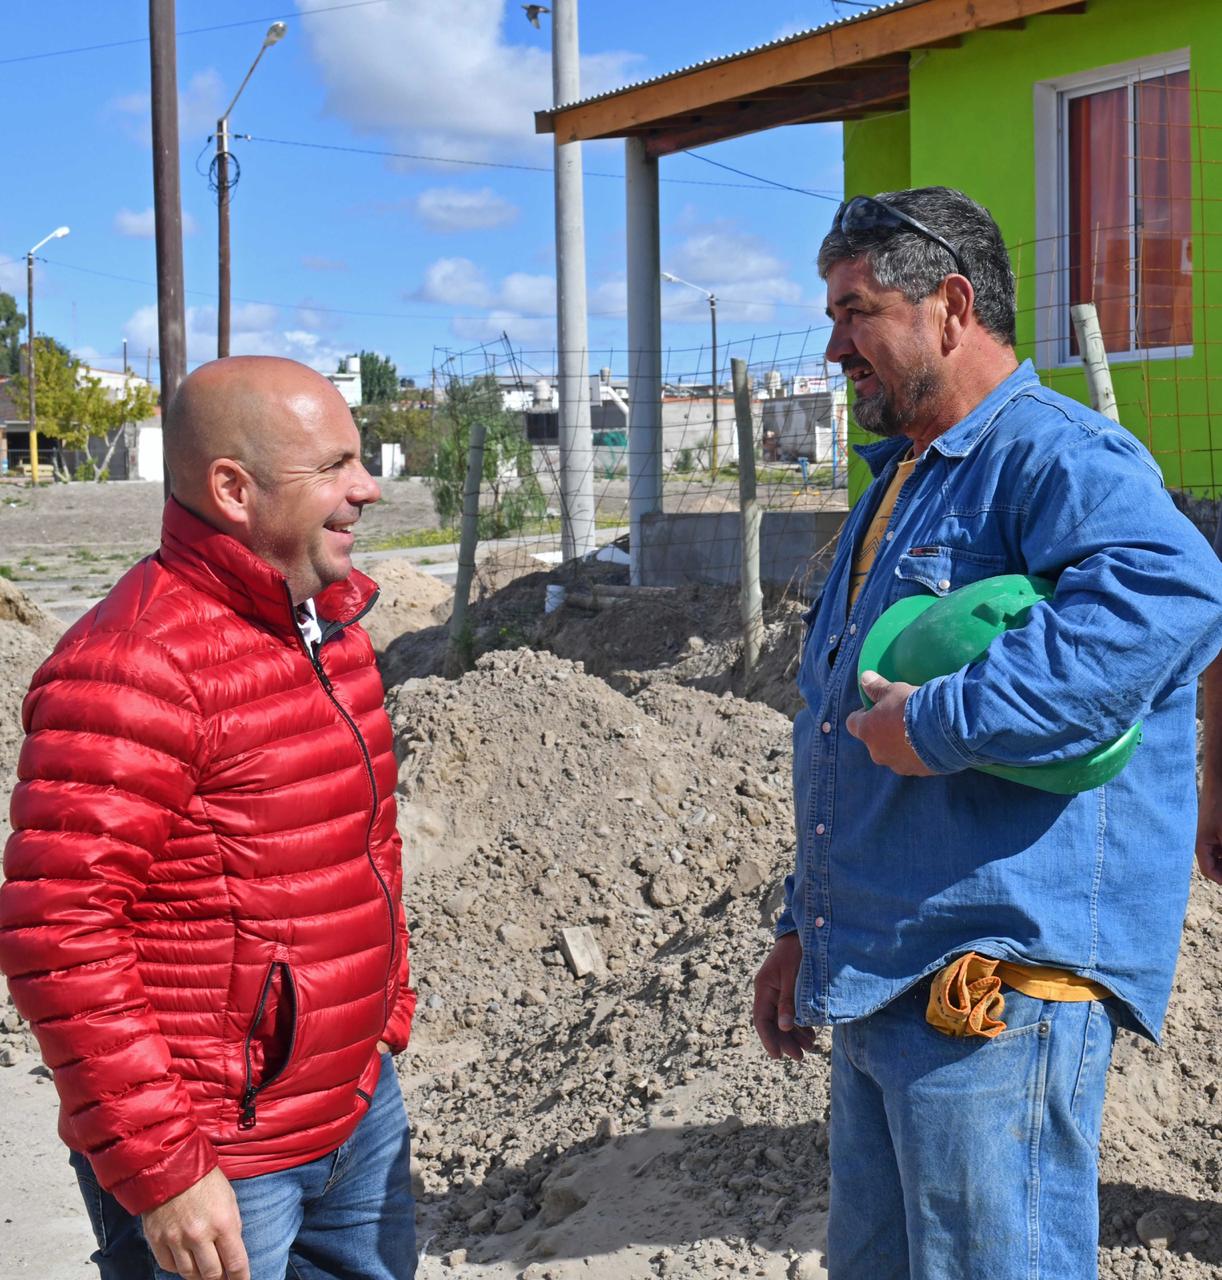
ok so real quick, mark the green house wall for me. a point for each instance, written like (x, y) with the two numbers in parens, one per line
(971, 124)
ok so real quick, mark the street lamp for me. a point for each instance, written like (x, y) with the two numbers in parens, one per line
(274, 33)
(712, 297)
(57, 234)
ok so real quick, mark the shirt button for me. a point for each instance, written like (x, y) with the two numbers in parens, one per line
(832, 639)
(943, 584)
(852, 628)
(820, 829)
(890, 534)
(819, 922)
(826, 726)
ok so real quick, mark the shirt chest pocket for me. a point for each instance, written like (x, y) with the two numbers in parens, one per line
(941, 570)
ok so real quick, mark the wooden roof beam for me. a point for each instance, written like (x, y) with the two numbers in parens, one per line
(891, 32)
(881, 93)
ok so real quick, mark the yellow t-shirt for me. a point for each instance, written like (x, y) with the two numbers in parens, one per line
(878, 529)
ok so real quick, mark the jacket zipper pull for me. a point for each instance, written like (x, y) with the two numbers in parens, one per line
(247, 1119)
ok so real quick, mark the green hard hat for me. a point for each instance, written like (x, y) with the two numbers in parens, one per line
(921, 637)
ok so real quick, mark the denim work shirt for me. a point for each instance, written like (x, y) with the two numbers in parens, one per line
(895, 876)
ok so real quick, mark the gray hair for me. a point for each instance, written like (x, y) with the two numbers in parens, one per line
(904, 259)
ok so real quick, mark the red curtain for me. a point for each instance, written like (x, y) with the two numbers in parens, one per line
(1164, 211)
(1100, 222)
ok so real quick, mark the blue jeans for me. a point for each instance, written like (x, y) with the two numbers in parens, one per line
(967, 1159)
(347, 1216)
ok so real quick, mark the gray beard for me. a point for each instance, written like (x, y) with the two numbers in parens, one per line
(884, 415)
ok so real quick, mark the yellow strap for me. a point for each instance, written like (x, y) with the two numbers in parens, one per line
(1049, 984)
(965, 996)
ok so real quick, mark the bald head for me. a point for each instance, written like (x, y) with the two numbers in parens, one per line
(256, 410)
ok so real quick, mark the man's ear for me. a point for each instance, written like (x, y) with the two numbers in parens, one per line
(230, 489)
(958, 298)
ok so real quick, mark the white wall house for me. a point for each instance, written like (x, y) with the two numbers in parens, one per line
(348, 381)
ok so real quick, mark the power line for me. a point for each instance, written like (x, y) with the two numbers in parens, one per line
(742, 173)
(192, 31)
(760, 184)
(392, 315)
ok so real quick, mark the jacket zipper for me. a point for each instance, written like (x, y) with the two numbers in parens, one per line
(325, 681)
(250, 1091)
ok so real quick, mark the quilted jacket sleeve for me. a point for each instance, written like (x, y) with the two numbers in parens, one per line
(109, 760)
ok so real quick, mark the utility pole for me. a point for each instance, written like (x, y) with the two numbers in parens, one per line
(576, 442)
(274, 33)
(713, 321)
(222, 238)
(167, 205)
(32, 369)
(29, 373)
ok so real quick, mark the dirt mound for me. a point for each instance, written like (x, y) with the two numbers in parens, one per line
(16, 606)
(625, 1123)
(691, 636)
(495, 571)
(409, 600)
(534, 799)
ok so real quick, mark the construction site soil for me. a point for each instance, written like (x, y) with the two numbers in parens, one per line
(598, 791)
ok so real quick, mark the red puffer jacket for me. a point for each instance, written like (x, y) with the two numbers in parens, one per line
(201, 916)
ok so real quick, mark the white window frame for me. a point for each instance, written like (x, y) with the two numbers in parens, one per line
(1052, 349)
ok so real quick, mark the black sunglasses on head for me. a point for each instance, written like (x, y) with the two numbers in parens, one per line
(864, 215)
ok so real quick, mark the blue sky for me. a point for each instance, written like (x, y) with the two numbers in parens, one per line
(334, 251)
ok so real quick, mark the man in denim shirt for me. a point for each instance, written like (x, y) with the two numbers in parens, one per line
(974, 1154)
(1209, 819)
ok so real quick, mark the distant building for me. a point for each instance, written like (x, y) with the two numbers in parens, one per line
(113, 382)
(348, 381)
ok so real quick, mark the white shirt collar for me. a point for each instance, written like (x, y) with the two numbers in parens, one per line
(307, 622)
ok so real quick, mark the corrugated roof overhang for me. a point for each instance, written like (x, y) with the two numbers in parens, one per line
(842, 71)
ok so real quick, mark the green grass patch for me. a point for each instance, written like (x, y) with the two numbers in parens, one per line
(6, 570)
(450, 537)
(410, 538)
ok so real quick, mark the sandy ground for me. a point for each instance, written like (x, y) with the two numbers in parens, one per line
(623, 1124)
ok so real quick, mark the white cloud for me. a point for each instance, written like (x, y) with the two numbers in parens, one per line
(455, 282)
(740, 268)
(521, 304)
(461, 78)
(143, 225)
(453, 209)
(255, 330)
(522, 330)
(523, 292)
(200, 102)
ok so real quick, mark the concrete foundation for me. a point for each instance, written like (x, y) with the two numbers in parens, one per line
(677, 548)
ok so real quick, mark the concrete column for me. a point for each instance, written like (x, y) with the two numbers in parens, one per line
(576, 444)
(644, 344)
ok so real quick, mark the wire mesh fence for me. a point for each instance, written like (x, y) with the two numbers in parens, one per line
(798, 450)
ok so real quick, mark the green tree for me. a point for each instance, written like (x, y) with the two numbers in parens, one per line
(511, 494)
(407, 425)
(379, 379)
(11, 324)
(72, 409)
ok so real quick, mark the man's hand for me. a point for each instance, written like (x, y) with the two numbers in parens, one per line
(882, 727)
(198, 1234)
(1209, 831)
(772, 1012)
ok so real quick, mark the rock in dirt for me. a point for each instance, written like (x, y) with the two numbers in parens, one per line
(581, 952)
(1155, 1230)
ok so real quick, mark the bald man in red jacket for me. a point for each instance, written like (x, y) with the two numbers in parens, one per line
(202, 915)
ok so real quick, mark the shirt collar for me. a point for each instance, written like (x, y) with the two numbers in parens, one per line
(962, 438)
(307, 622)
